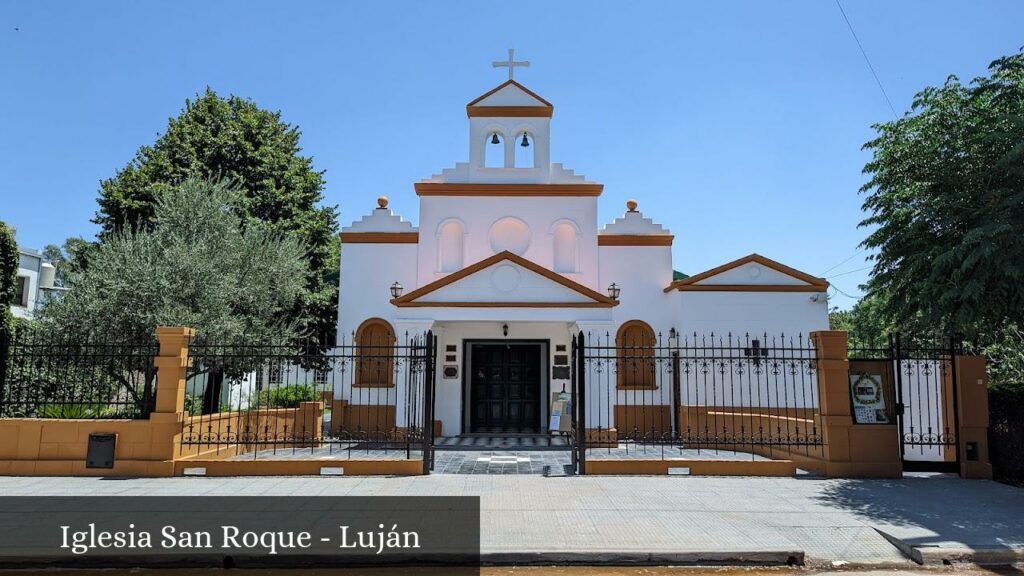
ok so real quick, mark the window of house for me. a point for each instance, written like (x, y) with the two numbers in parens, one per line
(635, 359)
(21, 292)
(320, 377)
(275, 375)
(375, 354)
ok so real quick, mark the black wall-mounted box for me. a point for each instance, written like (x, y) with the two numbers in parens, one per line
(100, 453)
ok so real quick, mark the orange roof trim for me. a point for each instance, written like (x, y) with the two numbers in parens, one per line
(814, 284)
(599, 300)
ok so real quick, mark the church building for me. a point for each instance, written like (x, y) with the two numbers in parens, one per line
(509, 262)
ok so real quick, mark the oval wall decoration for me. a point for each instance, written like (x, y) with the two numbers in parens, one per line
(505, 278)
(510, 234)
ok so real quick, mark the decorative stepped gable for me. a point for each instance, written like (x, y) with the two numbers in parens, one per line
(378, 225)
(633, 229)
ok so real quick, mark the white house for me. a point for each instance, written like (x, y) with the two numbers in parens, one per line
(35, 283)
(509, 262)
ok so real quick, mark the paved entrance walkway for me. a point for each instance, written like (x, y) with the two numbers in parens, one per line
(664, 516)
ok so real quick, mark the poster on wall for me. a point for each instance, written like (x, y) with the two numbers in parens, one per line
(868, 399)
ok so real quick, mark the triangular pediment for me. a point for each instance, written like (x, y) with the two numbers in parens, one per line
(753, 272)
(510, 99)
(505, 280)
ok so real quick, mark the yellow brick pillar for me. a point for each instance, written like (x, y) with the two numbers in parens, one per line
(166, 420)
(851, 450)
(972, 403)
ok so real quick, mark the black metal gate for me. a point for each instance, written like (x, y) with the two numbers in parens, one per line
(928, 414)
(923, 384)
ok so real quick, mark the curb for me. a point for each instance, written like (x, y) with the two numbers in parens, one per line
(608, 558)
(929, 555)
(721, 559)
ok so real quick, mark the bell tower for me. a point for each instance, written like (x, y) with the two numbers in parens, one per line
(509, 132)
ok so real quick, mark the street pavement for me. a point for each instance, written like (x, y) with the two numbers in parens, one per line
(669, 519)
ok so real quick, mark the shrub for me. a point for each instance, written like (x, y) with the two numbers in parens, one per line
(286, 396)
(73, 411)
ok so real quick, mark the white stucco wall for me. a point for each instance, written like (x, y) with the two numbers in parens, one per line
(367, 273)
(642, 272)
(791, 313)
(479, 214)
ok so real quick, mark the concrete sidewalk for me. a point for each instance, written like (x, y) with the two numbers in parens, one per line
(669, 519)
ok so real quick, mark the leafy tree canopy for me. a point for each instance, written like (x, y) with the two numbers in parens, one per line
(9, 258)
(196, 265)
(946, 204)
(232, 138)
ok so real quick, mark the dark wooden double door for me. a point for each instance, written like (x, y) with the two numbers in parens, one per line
(505, 388)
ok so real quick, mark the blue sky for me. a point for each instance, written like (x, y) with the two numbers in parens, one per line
(738, 125)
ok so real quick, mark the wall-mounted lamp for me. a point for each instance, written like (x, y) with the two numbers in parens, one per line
(504, 330)
(614, 291)
(396, 289)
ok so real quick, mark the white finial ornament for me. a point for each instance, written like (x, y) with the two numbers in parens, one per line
(511, 64)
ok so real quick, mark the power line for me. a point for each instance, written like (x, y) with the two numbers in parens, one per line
(867, 60)
(836, 288)
(843, 262)
(849, 272)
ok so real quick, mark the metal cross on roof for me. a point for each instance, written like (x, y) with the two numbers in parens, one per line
(511, 63)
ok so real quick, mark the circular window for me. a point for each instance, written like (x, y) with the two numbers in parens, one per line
(510, 234)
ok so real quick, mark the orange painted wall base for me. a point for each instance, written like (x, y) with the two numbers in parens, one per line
(301, 467)
(697, 467)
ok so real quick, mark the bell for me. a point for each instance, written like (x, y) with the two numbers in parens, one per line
(494, 139)
(525, 142)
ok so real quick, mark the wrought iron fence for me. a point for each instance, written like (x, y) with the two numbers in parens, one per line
(46, 375)
(665, 396)
(345, 399)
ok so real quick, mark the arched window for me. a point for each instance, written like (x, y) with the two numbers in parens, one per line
(375, 354)
(524, 154)
(565, 247)
(450, 248)
(494, 151)
(634, 345)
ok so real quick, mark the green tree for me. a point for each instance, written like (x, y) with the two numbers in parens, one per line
(946, 203)
(232, 138)
(196, 266)
(866, 324)
(8, 275)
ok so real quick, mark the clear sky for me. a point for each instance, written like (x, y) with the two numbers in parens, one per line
(738, 125)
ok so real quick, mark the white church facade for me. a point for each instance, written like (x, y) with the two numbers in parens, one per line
(509, 262)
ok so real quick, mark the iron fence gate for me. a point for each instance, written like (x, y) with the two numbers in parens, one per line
(678, 396)
(922, 381)
(367, 399)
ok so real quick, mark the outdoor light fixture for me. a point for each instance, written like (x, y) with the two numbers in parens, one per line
(494, 139)
(504, 330)
(525, 142)
(672, 333)
(614, 291)
(396, 289)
